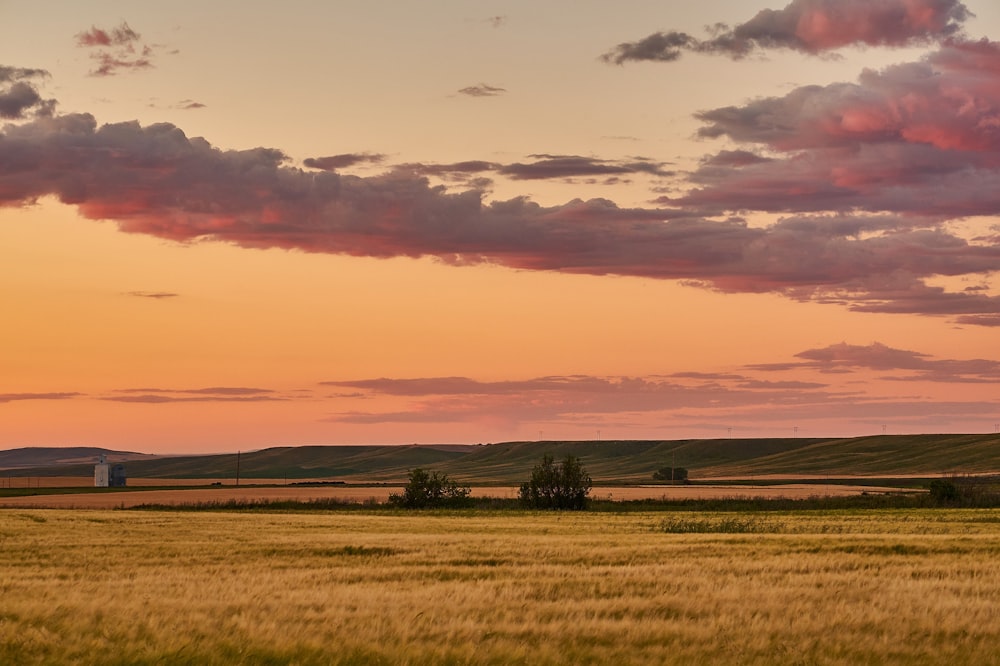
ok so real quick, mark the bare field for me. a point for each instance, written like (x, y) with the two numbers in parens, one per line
(126, 499)
(100, 587)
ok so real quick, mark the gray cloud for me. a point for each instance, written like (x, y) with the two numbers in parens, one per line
(657, 47)
(569, 166)
(19, 96)
(156, 396)
(342, 161)
(482, 90)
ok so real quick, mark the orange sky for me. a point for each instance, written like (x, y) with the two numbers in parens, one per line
(416, 267)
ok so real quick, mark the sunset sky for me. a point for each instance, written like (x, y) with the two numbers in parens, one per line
(361, 222)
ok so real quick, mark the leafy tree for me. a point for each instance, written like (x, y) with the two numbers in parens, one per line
(671, 474)
(430, 490)
(943, 491)
(552, 486)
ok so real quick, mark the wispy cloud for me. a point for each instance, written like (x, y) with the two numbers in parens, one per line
(211, 394)
(917, 366)
(342, 161)
(17, 397)
(544, 167)
(455, 399)
(155, 295)
(809, 26)
(122, 36)
(115, 50)
(569, 166)
(482, 90)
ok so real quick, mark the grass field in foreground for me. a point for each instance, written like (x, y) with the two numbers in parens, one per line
(873, 587)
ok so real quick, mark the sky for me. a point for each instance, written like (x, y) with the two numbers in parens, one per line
(465, 222)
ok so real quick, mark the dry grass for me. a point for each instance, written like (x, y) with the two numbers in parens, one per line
(95, 587)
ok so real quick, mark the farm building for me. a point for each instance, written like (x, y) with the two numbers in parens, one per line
(107, 475)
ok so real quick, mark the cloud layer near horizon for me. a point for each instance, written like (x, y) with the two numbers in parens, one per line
(809, 26)
(823, 378)
(684, 395)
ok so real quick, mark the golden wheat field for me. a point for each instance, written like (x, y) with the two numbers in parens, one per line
(359, 587)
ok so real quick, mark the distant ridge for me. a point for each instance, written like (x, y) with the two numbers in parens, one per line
(624, 461)
(37, 456)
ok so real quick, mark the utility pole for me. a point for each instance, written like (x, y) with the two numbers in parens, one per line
(237, 468)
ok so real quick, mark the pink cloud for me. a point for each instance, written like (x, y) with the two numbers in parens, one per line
(117, 49)
(949, 100)
(809, 26)
(155, 180)
(122, 35)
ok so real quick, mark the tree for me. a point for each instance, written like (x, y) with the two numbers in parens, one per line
(552, 486)
(430, 490)
(943, 491)
(671, 474)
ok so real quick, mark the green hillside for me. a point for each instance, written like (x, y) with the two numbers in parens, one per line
(631, 461)
(885, 455)
(300, 462)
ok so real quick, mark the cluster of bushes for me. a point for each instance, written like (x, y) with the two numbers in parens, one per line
(971, 492)
(566, 485)
(552, 486)
(431, 490)
(672, 474)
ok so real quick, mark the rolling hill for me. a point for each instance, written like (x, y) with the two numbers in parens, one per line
(36, 456)
(630, 461)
